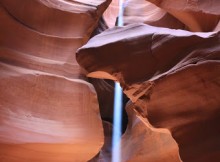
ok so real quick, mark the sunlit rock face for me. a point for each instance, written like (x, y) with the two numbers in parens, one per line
(210, 7)
(141, 11)
(111, 13)
(197, 15)
(48, 112)
(136, 11)
(171, 76)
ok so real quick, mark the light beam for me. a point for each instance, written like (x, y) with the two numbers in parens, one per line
(117, 123)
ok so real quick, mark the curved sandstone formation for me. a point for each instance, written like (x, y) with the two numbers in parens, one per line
(60, 18)
(141, 11)
(210, 7)
(141, 142)
(111, 13)
(48, 113)
(155, 51)
(197, 15)
(171, 76)
(105, 153)
(43, 118)
(192, 15)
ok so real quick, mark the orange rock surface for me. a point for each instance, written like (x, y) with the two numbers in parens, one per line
(141, 142)
(111, 13)
(166, 58)
(171, 76)
(48, 112)
(141, 11)
(197, 15)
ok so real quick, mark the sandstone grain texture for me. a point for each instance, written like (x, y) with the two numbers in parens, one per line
(171, 76)
(49, 112)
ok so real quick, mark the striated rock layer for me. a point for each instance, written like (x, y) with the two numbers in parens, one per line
(111, 13)
(193, 15)
(141, 11)
(43, 118)
(141, 142)
(48, 113)
(197, 15)
(48, 110)
(171, 76)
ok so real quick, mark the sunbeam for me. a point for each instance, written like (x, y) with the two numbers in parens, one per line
(117, 123)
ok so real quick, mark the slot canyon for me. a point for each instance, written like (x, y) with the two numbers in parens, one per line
(60, 59)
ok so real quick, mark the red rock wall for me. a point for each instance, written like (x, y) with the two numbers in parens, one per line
(49, 112)
(172, 78)
(166, 59)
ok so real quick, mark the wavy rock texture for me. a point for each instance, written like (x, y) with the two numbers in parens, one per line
(48, 113)
(145, 45)
(210, 7)
(110, 15)
(42, 121)
(136, 11)
(197, 15)
(141, 142)
(193, 15)
(171, 76)
(141, 11)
